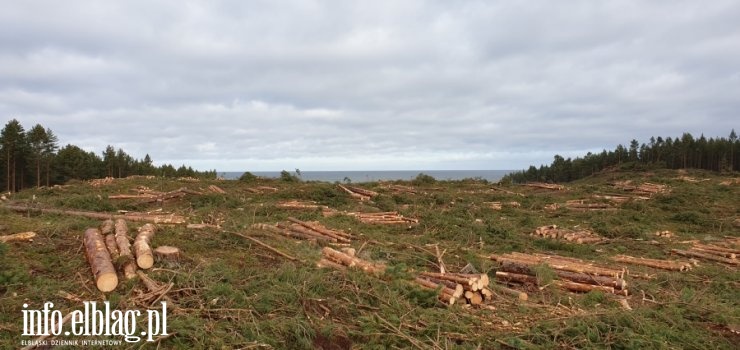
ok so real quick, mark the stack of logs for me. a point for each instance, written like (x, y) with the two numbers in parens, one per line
(584, 205)
(340, 260)
(664, 234)
(261, 189)
(359, 193)
(384, 218)
(101, 182)
(574, 275)
(295, 204)
(545, 186)
(645, 189)
(577, 236)
(499, 205)
(111, 243)
(670, 265)
(400, 189)
(726, 254)
(306, 230)
(216, 189)
(615, 198)
(472, 288)
(148, 195)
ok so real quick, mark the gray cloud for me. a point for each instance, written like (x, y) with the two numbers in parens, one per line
(369, 85)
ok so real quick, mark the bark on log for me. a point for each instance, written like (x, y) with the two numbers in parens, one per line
(110, 243)
(520, 295)
(99, 259)
(618, 283)
(157, 219)
(282, 231)
(715, 252)
(107, 227)
(22, 236)
(267, 246)
(142, 246)
(655, 263)
(585, 288)
(516, 277)
(716, 248)
(472, 282)
(300, 229)
(124, 249)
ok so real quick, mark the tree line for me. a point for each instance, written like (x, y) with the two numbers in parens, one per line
(685, 152)
(34, 158)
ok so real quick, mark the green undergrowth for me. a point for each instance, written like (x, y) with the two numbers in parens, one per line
(233, 293)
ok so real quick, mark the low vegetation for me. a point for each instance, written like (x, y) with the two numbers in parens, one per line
(233, 293)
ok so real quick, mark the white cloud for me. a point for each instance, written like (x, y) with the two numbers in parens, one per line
(382, 85)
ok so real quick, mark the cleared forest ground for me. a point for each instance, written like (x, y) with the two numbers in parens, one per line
(233, 291)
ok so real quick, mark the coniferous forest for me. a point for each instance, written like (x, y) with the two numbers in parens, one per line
(33, 157)
(685, 152)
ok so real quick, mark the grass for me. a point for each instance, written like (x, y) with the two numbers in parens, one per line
(235, 294)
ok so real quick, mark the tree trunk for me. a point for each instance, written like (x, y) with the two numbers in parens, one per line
(142, 248)
(157, 219)
(97, 255)
(124, 249)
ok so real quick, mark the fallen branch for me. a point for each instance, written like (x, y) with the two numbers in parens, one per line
(266, 246)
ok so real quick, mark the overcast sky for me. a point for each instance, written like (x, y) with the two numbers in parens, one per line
(371, 85)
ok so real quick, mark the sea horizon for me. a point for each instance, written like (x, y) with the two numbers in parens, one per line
(359, 176)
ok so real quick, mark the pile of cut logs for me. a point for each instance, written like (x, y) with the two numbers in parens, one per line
(573, 274)
(664, 234)
(358, 193)
(618, 199)
(148, 195)
(400, 189)
(646, 189)
(499, 205)
(472, 288)
(153, 218)
(577, 236)
(261, 189)
(216, 189)
(584, 205)
(384, 218)
(111, 243)
(333, 258)
(671, 265)
(295, 204)
(726, 254)
(101, 182)
(545, 186)
(306, 230)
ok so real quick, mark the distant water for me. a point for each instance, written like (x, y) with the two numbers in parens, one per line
(382, 175)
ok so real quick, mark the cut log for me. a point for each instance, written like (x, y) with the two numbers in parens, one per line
(446, 295)
(716, 250)
(520, 295)
(282, 231)
(157, 219)
(267, 246)
(618, 283)
(300, 229)
(167, 253)
(670, 265)
(584, 288)
(142, 246)
(99, 259)
(330, 264)
(22, 236)
(124, 249)
(324, 231)
(216, 189)
(516, 277)
(695, 254)
(110, 243)
(107, 227)
(350, 261)
(201, 226)
(467, 282)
